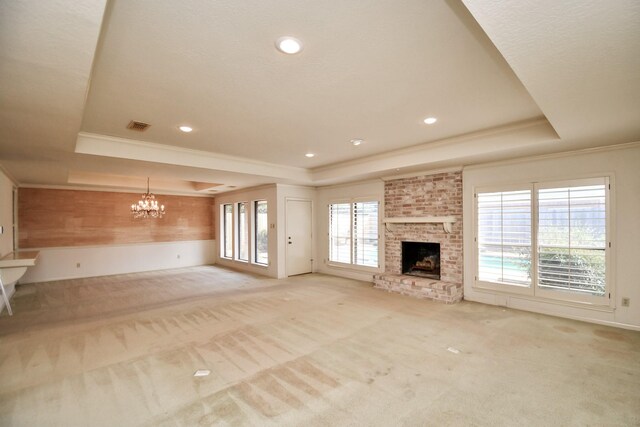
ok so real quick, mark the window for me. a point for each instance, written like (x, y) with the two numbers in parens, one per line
(365, 233)
(227, 231)
(340, 232)
(353, 233)
(504, 237)
(261, 229)
(566, 223)
(244, 232)
(243, 235)
(572, 239)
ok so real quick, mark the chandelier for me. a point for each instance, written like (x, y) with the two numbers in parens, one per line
(147, 206)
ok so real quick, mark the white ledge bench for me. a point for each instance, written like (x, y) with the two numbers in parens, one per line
(12, 268)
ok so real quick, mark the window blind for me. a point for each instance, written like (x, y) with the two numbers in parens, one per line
(572, 238)
(365, 233)
(504, 237)
(340, 232)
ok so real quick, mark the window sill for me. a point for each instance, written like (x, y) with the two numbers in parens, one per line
(223, 258)
(354, 267)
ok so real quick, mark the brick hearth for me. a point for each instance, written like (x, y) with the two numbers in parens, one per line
(419, 287)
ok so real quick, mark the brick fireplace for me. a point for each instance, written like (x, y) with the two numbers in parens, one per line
(438, 195)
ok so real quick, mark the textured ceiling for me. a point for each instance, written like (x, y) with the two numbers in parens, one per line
(370, 70)
(579, 59)
(505, 80)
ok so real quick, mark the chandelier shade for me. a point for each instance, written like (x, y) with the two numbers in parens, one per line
(147, 206)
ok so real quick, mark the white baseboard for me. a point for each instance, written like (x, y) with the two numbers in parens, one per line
(62, 263)
(582, 314)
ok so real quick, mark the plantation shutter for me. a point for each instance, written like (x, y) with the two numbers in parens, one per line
(340, 232)
(504, 237)
(365, 233)
(572, 238)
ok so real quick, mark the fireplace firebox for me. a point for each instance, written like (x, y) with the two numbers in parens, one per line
(421, 259)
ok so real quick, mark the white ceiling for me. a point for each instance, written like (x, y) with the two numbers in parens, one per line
(579, 59)
(564, 76)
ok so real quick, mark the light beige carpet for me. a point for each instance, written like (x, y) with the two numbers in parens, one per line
(310, 351)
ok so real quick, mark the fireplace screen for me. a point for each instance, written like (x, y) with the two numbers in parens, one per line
(421, 259)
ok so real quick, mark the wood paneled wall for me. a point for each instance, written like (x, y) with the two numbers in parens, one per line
(51, 218)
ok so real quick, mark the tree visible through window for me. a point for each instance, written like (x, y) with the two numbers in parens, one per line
(569, 237)
(243, 235)
(261, 233)
(572, 238)
(228, 230)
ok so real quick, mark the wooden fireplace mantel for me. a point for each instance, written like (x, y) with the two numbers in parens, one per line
(446, 221)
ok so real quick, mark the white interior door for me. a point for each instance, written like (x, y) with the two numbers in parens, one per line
(299, 237)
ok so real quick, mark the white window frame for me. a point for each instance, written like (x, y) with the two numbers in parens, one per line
(351, 264)
(535, 291)
(236, 230)
(573, 296)
(498, 286)
(223, 231)
(254, 227)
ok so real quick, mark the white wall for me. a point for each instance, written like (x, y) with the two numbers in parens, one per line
(6, 214)
(373, 190)
(623, 164)
(61, 263)
(6, 221)
(268, 193)
(276, 196)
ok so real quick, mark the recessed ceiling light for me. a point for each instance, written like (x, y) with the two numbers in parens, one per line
(289, 45)
(185, 129)
(357, 142)
(309, 155)
(430, 120)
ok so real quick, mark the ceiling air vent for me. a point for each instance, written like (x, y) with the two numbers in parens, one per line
(139, 126)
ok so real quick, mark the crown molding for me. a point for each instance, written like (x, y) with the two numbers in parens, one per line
(9, 176)
(421, 173)
(110, 146)
(111, 190)
(481, 134)
(449, 150)
(591, 150)
(236, 191)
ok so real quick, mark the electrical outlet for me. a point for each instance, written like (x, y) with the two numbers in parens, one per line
(78, 265)
(626, 301)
